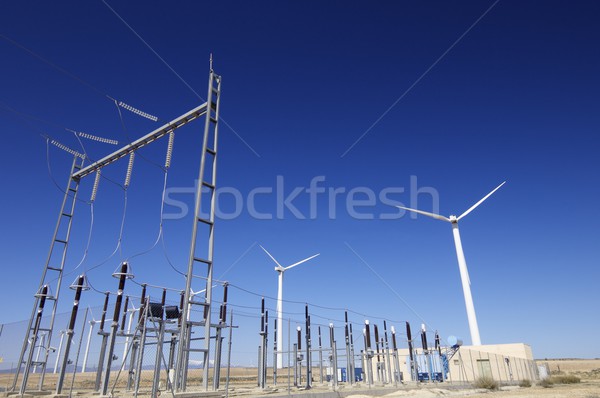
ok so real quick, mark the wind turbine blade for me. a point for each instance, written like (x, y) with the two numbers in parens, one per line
(300, 262)
(432, 215)
(468, 277)
(272, 258)
(199, 291)
(481, 201)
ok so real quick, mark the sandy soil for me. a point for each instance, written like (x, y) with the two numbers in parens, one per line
(589, 389)
(243, 383)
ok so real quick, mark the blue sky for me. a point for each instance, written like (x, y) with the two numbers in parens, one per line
(511, 97)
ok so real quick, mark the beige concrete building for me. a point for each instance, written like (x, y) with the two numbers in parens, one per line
(502, 362)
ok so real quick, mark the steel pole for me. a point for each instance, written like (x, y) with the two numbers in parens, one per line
(387, 352)
(70, 331)
(103, 345)
(308, 356)
(229, 354)
(349, 376)
(114, 326)
(334, 370)
(320, 356)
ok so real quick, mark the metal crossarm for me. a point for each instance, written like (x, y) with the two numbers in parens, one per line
(143, 141)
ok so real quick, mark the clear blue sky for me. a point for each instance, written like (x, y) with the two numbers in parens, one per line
(512, 97)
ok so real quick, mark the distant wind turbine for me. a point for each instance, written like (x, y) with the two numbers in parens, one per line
(462, 263)
(281, 269)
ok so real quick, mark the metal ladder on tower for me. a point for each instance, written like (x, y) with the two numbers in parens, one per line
(207, 184)
(53, 272)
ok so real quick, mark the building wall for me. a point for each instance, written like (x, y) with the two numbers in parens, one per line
(502, 362)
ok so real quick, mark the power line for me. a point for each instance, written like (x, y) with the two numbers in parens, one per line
(175, 73)
(77, 78)
(313, 305)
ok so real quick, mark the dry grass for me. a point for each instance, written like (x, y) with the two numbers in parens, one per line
(525, 383)
(486, 382)
(559, 379)
(565, 379)
(546, 383)
(586, 369)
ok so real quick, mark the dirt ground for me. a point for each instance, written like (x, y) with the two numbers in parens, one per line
(589, 389)
(243, 383)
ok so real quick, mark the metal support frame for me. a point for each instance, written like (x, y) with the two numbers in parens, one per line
(333, 357)
(368, 354)
(296, 383)
(262, 348)
(349, 358)
(159, 355)
(275, 352)
(141, 347)
(104, 335)
(57, 256)
(413, 368)
(219, 340)
(114, 326)
(229, 354)
(210, 151)
(352, 367)
(387, 354)
(70, 332)
(308, 348)
(320, 356)
(426, 353)
(65, 216)
(396, 359)
(379, 364)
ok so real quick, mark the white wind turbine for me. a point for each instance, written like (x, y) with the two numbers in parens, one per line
(462, 263)
(280, 270)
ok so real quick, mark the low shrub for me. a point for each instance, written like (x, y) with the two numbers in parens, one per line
(565, 379)
(525, 383)
(546, 383)
(486, 382)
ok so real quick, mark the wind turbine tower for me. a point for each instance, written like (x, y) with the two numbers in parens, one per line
(462, 263)
(280, 270)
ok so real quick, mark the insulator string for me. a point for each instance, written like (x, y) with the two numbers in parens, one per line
(169, 150)
(66, 149)
(137, 111)
(95, 188)
(129, 170)
(96, 138)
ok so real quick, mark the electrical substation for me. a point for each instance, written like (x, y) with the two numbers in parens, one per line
(180, 344)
